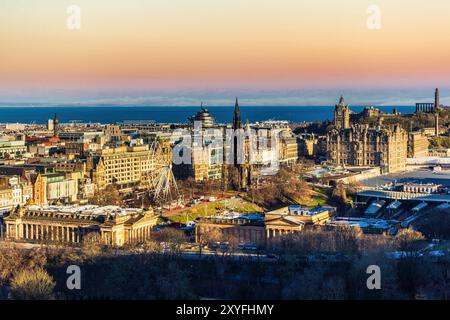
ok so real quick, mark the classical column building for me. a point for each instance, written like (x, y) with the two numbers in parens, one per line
(70, 224)
(262, 230)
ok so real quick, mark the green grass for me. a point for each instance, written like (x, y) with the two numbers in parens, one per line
(318, 199)
(212, 209)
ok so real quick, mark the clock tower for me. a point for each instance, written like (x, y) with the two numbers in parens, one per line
(341, 115)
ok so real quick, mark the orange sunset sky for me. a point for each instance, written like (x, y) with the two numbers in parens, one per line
(302, 50)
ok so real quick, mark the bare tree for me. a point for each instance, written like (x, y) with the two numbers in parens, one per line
(171, 236)
(407, 239)
(32, 284)
(109, 196)
(11, 260)
(92, 245)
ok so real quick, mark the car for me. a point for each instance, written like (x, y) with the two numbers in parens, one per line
(247, 247)
(224, 245)
(213, 246)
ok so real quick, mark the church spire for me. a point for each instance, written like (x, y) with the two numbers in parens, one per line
(237, 116)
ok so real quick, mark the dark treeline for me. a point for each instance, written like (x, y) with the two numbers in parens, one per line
(148, 276)
(317, 264)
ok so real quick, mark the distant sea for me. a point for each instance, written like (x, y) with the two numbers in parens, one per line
(116, 114)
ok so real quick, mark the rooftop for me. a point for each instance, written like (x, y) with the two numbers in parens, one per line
(303, 211)
(87, 210)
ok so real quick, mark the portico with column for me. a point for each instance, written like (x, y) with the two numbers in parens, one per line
(33, 225)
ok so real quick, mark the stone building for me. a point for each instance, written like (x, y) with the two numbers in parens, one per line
(371, 112)
(307, 145)
(70, 224)
(241, 229)
(215, 152)
(123, 166)
(261, 230)
(417, 144)
(113, 133)
(361, 145)
(38, 187)
(288, 150)
(212, 152)
(14, 191)
(206, 149)
(12, 148)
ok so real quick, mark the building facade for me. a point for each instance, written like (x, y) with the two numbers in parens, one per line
(14, 191)
(361, 145)
(123, 166)
(71, 224)
(12, 148)
(417, 144)
(261, 230)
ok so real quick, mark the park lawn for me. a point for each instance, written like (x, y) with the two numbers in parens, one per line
(212, 209)
(318, 199)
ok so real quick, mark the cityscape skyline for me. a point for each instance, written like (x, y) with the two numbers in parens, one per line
(224, 155)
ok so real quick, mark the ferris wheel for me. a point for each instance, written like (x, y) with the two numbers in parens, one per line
(162, 184)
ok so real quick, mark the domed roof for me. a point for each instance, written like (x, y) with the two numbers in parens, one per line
(203, 116)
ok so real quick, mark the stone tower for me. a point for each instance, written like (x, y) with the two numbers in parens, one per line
(436, 112)
(436, 100)
(55, 126)
(341, 115)
(242, 165)
(436, 123)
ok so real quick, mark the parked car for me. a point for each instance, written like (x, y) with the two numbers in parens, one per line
(247, 247)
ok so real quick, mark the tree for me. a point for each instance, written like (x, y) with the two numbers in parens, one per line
(11, 260)
(187, 187)
(406, 239)
(32, 284)
(436, 224)
(346, 239)
(307, 285)
(286, 185)
(171, 236)
(340, 194)
(151, 246)
(229, 243)
(92, 245)
(110, 196)
(207, 236)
